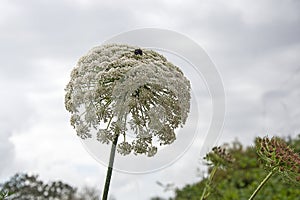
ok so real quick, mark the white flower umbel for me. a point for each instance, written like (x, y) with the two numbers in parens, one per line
(115, 88)
(123, 87)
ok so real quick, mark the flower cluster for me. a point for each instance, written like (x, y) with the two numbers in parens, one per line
(278, 156)
(119, 88)
(219, 157)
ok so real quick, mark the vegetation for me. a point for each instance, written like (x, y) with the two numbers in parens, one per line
(29, 187)
(268, 170)
(246, 173)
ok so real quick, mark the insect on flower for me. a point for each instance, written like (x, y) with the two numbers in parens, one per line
(138, 52)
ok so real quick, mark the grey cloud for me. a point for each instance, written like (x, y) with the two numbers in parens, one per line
(52, 29)
(281, 106)
(7, 152)
(224, 26)
(16, 115)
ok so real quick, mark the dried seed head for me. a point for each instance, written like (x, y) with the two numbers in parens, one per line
(276, 154)
(219, 157)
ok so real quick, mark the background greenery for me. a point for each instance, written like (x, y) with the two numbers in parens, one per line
(241, 179)
(235, 182)
(24, 186)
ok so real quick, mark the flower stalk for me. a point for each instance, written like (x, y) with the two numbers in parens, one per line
(218, 158)
(262, 184)
(208, 184)
(110, 167)
(279, 158)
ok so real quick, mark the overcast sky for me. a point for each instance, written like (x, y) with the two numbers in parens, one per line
(254, 44)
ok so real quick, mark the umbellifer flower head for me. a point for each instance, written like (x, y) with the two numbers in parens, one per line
(279, 156)
(219, 157)
(116, 89)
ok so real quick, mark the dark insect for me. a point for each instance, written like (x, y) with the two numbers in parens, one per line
(138, 52)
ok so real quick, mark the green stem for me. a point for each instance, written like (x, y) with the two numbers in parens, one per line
(110, 167)
(262, 184)
(208, 183)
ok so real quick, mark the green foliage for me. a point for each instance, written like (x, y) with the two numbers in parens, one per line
(240, 179)
(4, 194)
(24, 186)
(29, 187)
